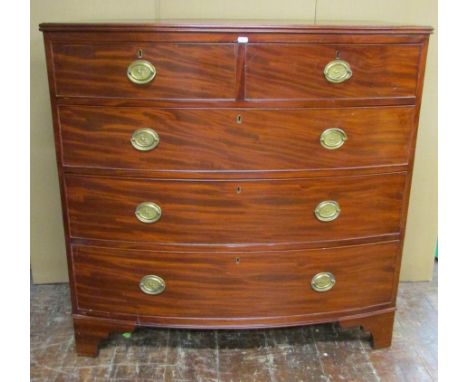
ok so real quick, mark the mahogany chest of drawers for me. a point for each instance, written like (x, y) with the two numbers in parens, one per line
(234, 176)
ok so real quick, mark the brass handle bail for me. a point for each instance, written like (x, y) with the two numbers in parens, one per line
(337, 71)
(333, 138)
(141, 72)
(152, 284)
(148, 212)
(145, 139)
(323, 282)
(327, 211)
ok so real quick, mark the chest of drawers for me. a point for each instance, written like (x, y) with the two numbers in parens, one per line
(233, 176)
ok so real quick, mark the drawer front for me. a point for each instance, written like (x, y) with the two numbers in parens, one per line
(217, 140)
(183, 71)
(215, 285)
(225, 212)
(296, 71)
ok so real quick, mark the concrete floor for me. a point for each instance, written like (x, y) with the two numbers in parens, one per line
(318, 353)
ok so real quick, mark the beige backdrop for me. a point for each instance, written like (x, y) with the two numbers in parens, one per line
(48, 260)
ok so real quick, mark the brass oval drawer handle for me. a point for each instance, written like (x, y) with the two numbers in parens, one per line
(151, 284)
(145, 139)
(323, 282)
(337, 71)
(148, 212)
(141, 72)
(333, 138)
(327, 210)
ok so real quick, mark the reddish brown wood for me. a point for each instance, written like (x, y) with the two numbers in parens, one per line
(244, 104)
(90, 331)
(233, 247)
(236, 175)
(210, 73)
(230, 190)
(211, 286)
(240, 73)
(215, 26)
(184, 71)
(295, 71)
(226, 212)
(379, 325)
(212, 139)
(255, 36)
(58, 152)
(411, 156)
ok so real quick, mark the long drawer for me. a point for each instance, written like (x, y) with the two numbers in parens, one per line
(182, 71)
(296, 71)
(224, 139)
(209, 285)
(224, 212)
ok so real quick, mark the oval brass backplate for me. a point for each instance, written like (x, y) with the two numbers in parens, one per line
(327, 210)
(151, 284)
(145, 139)
(323, 281)
(333, 138)
(141, 72)
(148, 212)
(337, 71)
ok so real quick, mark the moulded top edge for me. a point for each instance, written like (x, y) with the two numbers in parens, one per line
(265, 26)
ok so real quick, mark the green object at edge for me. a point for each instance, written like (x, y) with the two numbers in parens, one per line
(127, 335)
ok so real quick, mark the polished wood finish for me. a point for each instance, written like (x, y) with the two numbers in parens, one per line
(267, 211)
(184, 71)
(238, 172)
(295, 71)
(213, 140)
(90, 331)
(310, 353)
(203, 285)
(379, 325)
(213, 26)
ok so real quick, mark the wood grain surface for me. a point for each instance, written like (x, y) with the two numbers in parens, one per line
(297, 353)
(214, 140)
(184, 71)
(295, 71)
(269, 211)
(213, 26)
(209, 286)
(238, 241)
(380, 327)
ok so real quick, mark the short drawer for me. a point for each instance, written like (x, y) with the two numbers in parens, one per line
(234, 285)
(225, 212)
(235, 140)
(181, 71)
(296, 71)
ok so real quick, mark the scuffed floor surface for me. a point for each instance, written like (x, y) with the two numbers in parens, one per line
(318, 353)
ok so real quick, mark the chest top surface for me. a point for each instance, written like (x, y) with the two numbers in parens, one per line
(283, 26)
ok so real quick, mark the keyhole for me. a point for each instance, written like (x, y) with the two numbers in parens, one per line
(239, 119)
(237, 260)
(337, 54)
(238, 189)
(140, 53)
